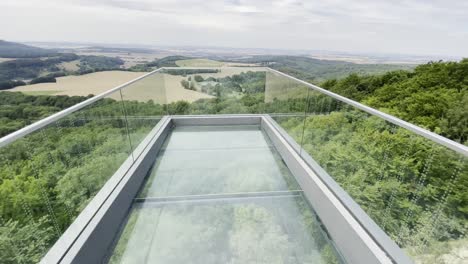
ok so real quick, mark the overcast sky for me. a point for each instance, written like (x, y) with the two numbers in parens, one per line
(437, 27)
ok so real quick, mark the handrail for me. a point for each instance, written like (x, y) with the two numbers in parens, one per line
(459, 148)
(462, 149)
(50, 119)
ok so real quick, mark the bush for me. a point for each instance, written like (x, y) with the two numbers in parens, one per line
(44, 79)
(11, 84)
(198, 78)
(185, 84)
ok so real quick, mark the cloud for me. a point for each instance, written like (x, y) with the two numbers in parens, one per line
(415, 26)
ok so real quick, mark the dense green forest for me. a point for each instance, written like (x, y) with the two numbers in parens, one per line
(18, 110)
(96, 63)
(414, 189)
(434, 95)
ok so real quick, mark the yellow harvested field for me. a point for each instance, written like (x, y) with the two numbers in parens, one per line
(160, 88)
(93, 83)
(175, 91)
(167, 88)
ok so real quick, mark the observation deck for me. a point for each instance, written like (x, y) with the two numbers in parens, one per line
(235, 165)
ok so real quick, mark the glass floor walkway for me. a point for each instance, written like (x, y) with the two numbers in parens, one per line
(221, 194)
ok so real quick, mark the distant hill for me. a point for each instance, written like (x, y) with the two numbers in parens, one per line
(120, 50)
(317, 71)
(18, 50)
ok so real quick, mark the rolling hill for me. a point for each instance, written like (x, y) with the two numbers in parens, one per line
(18, 50)
(317, 71)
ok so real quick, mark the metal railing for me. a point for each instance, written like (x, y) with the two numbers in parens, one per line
(302, 94)
(462, 149)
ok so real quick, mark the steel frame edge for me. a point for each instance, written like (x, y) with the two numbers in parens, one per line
(377, 234)
(68, 238)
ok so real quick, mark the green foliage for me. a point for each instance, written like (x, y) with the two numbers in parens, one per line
(10, 84)
(98, 63)
(18, 110)
(46, 70)
(415, 190)
(234, 86)
(434, 96)
(184, 84)
(187, 85)
(24, 243)
(185, 72)
(198, 78)
(56, 171)
(44, 79)
(31, 68)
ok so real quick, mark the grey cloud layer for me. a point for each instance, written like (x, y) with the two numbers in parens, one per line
(434, 26)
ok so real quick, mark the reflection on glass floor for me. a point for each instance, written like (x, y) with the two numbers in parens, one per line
(207, 160)
(221, 195)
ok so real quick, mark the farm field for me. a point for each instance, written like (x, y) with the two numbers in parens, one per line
(83, 85)
(175, 91)
(167, 88)
(99, 82)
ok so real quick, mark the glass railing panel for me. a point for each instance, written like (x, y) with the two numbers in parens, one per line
(200, 160)
(226, 90)
(144, 103)
(49, 176)
(412, 187)
(286, 103)
(252, 230)
(426, 212)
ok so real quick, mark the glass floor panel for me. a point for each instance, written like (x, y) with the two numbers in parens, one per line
(217, 159)
(221, 195)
